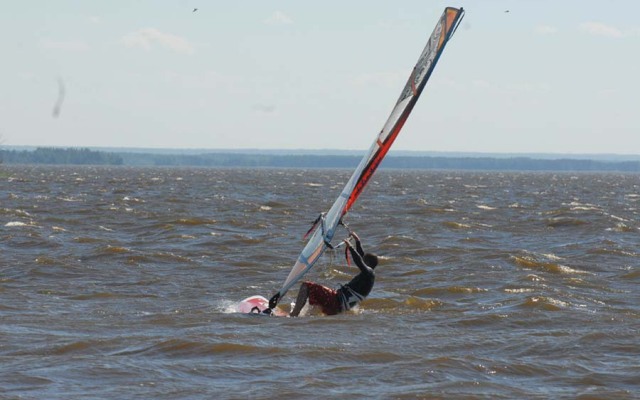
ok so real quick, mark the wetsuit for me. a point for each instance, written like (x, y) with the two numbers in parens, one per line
(348, 296)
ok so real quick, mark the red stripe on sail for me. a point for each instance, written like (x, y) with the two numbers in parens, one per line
(376, 160)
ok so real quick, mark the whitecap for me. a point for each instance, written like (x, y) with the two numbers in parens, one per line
(15, 223)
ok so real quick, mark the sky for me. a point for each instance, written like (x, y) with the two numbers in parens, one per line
(544, 77)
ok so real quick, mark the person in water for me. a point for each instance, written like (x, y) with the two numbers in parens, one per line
(348, 296)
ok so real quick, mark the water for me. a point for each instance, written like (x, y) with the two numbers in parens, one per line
(122, 282)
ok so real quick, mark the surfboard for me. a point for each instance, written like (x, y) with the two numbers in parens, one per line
(257, 305)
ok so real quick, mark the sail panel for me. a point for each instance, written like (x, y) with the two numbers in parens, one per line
(413, 88)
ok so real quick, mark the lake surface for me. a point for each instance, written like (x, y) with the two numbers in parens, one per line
(121, 283)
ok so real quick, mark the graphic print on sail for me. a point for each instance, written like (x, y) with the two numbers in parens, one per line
(326, 226)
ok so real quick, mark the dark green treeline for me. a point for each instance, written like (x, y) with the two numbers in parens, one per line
(86, 156)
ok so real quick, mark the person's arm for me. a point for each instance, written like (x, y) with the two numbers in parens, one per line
(357, 258)
(358, 244)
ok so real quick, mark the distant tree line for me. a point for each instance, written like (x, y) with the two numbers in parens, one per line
(242, 160)
(403, 162)
(51, 155)
(257, 160)
(512, 163)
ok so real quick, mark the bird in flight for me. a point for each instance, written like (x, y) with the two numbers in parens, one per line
(194, 10)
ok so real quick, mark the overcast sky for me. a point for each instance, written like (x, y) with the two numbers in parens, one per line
(546, 76)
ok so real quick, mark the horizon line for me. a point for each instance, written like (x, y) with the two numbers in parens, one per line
(256, 149)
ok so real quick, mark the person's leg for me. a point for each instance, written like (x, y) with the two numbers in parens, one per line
(303, 294)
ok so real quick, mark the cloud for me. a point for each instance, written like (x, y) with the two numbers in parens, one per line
(278, 18)
(600, 29)
(74, 45)
(545, 30)
(146, 38)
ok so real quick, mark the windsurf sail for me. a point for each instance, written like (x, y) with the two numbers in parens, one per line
(325, 227)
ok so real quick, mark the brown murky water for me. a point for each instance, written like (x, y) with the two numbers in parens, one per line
(122, 282)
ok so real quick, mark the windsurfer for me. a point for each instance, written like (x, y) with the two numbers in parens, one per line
(348, 296)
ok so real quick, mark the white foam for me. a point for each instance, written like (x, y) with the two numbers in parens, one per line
(15, 223)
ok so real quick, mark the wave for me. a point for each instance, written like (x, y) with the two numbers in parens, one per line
(409, 305)
(108, 295)
(623, 228)
(114, 250)
(15, 212)
(612, 251)
(193, 221)
(73, 348)
(17, 224)
(84, 239)
(71, 199)
(77, 348)
(633, 275)
(392, 241)
(456, 225)
(519, 290)
(276, 204)
(551, 267)
(559, 222)
(577, 206)
(545, 303)
(188, 348)
(44, 260)
(448, 290)
(428, 208)
(413, 272)
(158, 258)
